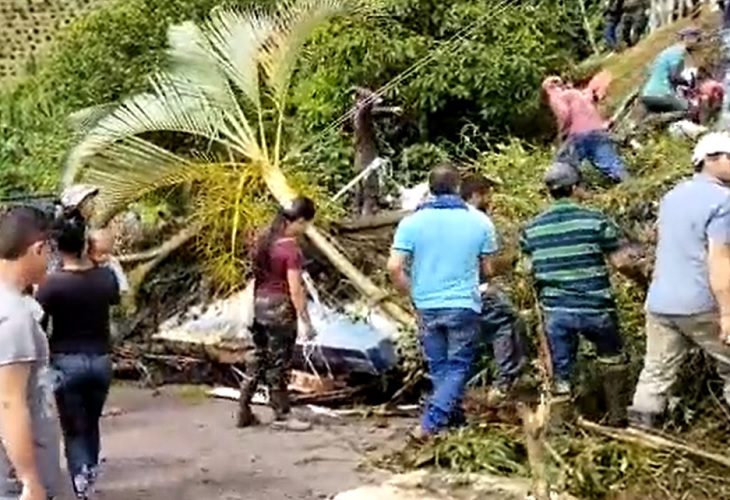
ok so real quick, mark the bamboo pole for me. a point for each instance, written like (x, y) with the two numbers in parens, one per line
(638, 437)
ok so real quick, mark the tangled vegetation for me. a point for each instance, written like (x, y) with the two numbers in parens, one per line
(476, 101)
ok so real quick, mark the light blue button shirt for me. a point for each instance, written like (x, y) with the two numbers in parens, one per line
(445, 246)
(691, 214)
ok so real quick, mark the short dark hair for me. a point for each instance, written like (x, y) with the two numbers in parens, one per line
(20, 227)
(561, 192)
(71, 236)
(475, 184)
(443, 179)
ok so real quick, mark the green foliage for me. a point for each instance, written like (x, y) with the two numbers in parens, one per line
(486, 79)
(486, 62)
(101, 57)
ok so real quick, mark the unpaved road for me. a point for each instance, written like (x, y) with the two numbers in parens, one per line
(169, 445)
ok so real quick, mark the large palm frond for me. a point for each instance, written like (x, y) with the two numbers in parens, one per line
(296, 21)
(147, 168)
(211, 89)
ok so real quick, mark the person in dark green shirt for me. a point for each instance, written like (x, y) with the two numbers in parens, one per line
(567, 246)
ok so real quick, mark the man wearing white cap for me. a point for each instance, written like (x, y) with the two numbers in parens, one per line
(689, 297)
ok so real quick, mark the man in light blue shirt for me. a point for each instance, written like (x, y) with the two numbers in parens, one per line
(689, 297)
(659, 94)
(436, 257)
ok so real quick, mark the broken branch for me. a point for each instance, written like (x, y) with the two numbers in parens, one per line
(638, 437)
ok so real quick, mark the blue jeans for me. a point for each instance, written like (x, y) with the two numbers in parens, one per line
(448, 338)
(610, 30)
(498, 327)
(80, 395)
(563, 328)
(598, 148)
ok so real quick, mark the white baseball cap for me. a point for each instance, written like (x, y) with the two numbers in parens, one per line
(711, 144)
(76, 194)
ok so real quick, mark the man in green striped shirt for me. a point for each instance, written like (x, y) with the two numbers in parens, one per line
(567, 246)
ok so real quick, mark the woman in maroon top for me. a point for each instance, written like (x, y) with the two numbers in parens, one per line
(280, 300)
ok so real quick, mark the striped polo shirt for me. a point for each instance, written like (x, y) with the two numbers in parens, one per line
(567, 245)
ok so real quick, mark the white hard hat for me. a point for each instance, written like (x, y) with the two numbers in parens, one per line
(711, 144)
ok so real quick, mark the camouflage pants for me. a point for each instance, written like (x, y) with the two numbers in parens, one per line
(274, 335)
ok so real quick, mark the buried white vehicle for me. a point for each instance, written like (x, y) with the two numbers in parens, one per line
(354, 340)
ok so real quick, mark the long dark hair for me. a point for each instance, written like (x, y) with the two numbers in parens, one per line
(301, 208)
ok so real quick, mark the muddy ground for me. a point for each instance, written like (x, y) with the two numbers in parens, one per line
(176, 444)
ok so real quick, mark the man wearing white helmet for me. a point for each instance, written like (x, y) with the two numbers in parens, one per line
(689, 298)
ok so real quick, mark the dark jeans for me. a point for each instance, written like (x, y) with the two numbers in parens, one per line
(81, 393)
(665, 104)
(448, 338)
(633, 25)
(611, 22)
(563, 328)
(599, 149)
(499, 327)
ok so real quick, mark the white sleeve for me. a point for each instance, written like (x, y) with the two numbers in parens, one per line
(116, 268)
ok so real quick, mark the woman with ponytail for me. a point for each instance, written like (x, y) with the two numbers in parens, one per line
(280, 304)
(76, 301)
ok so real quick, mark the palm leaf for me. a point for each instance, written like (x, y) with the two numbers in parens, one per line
(132, 168)
(235, 40)
(84, 120)
(297, 20)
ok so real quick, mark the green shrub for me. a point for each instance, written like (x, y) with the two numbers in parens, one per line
(102, 57)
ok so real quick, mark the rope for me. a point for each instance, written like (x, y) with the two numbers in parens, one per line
(313, 346)
(374, 165)
(415, 67)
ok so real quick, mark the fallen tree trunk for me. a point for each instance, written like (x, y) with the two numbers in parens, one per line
(638, 437)
(138, 275)
(381, 219)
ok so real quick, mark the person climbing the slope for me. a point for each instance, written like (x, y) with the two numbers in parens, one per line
(634, 21)
(688, 303)
(583, 130)
(613, 11)
(567, 247)
(436, 257)
(280, 302)
(498, 322)
(659, 94)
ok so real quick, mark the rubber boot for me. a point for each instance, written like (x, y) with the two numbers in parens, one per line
(282, 414)
(279, 401)
(615, 389)
(246, 417)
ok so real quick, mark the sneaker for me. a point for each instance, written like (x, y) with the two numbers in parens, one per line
(561, 388)
(418, 435)
(81, 484)
(291, 424)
